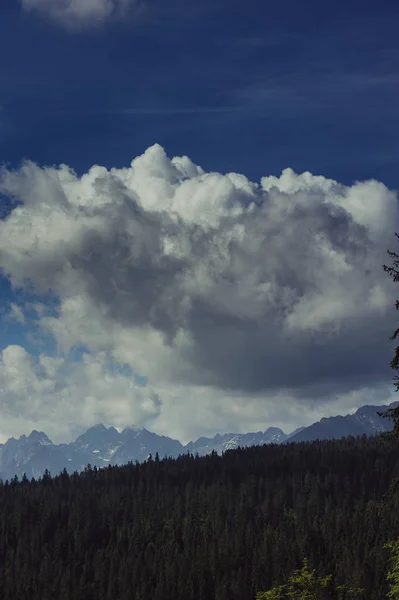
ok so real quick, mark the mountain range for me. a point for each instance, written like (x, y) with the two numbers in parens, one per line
(101, 446)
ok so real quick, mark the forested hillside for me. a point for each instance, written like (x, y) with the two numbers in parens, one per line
(209, 528)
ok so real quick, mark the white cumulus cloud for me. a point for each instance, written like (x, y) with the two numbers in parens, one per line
(223, 292)
(79, 13)
(53, 394)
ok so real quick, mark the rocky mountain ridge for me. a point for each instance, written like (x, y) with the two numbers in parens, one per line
(101, 446)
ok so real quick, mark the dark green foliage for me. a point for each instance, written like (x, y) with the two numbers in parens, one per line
(393, 573)
(211, 528)
(393, 413)
(305, 585)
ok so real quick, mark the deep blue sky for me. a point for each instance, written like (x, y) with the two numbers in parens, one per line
(309, 85)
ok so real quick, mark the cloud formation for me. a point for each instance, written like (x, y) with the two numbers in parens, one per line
(216, 288)
(79, 13)
(57, 395)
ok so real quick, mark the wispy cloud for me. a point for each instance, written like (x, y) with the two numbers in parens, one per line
(161, 111)
(319, 89)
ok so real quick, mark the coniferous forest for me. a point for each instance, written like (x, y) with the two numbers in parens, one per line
(216, 527)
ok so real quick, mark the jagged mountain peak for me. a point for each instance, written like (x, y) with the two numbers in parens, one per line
(97, 437)
(228, 441)
(39, 437)
(100, 428)
(101, 446)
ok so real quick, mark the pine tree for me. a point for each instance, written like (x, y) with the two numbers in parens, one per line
(393, 573)
(393, 412)
(304, 585)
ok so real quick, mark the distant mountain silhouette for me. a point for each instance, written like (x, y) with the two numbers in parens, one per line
(100, 446)
(364, 421)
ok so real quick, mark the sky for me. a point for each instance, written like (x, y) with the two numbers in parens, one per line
(196, 200)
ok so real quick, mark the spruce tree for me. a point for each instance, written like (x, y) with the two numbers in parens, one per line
(393, 412)
(393, 573)
(304, 585)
